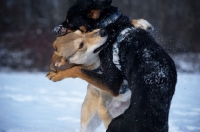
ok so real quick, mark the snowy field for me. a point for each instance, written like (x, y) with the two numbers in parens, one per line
(29, 102)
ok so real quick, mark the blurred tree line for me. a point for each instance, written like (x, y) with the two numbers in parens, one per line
(26, 25)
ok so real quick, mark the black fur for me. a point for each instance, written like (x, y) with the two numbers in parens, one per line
(78, 19)
(77, 14)
(151, 75)
(149, 70)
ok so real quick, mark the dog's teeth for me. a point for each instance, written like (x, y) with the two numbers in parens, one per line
(56, 64)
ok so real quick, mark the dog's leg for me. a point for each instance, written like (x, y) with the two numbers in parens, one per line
(98, 80)
(104, 102)
(102, 82)
(89, 118)
(141, 23)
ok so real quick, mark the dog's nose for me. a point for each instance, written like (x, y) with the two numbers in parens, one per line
(103, 33)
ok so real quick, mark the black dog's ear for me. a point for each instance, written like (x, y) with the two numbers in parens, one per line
(94, 14)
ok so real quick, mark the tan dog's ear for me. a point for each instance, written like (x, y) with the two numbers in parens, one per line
(83, 29)
(78, 32)
(94, 14)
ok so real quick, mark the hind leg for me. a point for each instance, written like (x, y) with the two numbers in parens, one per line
(89, 118)
(92, 124)
(104, 102)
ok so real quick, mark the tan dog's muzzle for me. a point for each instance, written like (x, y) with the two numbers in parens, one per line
(59, 63)
(55, 59)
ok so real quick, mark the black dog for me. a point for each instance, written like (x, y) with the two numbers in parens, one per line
(133, 54)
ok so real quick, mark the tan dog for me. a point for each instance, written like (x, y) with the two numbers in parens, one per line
(82, 49)
(97, 104)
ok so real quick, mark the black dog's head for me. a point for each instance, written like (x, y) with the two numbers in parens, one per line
(83, 15)
(91, 4)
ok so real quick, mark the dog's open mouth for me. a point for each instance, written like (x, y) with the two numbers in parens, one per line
(63, 67)
(98, 49)
(57, 66)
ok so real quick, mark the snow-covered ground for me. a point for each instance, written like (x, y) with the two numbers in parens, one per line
(29, 102)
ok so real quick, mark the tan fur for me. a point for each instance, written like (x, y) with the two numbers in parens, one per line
(69, 31)
(134, 22)
(96, 101)
(141, 23)
(94, 14)
(83, 29)
(68, 45)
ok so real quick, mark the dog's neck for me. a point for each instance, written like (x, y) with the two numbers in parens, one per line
(111, 19)
(94, 65)
(108, 15)
(123, 34)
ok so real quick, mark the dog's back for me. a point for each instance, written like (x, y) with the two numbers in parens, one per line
(151, 75)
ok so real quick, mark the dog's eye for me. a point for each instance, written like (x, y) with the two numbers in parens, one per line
(81, 45)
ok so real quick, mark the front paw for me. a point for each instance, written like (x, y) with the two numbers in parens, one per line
(54, 76)
(143, 24)
(59, 31)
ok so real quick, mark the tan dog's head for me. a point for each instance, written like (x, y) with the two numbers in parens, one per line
(77, 48)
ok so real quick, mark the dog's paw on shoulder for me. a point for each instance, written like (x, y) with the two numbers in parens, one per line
(143, 24)
(59, 31)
